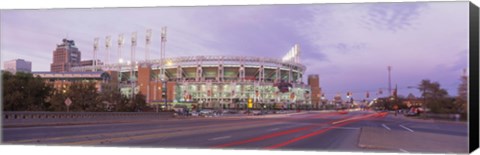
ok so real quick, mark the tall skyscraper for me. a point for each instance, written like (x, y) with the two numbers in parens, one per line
(314, 83)
(18, 65)
(65, 57)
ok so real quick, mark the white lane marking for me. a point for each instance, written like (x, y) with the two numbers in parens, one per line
(404, 150)
(274, 129)
(218, 138)
(386, 127)
(406, 128)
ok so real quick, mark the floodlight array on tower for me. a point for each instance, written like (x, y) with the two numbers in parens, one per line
(133, 62)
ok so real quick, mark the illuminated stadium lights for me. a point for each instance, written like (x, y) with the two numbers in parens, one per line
(293, 55)
(169, 63)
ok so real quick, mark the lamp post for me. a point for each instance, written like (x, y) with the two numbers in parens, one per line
(323, 102)
(348, 99)
(164, 92)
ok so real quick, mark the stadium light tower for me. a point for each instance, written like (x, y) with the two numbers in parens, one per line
(148, 38)
(132, 62)
(163, 42)
(120, 44)
(95, 48)
(107, 48)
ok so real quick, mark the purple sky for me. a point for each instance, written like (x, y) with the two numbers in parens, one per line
(348, 45)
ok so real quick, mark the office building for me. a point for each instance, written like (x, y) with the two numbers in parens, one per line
(65, 56)
(314, 83)
(17, 65)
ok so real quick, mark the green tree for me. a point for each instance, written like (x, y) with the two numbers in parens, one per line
(57, 101)
(436, 98)
(124, 104)
(461, 99)
(140, 102)
(23, 92)
(112, 98)
(84, 96)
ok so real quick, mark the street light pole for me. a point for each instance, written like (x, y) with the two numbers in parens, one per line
(424, 98)
(164, 90)
(323, 102)
(389, 80)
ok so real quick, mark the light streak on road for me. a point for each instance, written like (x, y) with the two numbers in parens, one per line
(337, 125)
(274, 129)
(219, 138)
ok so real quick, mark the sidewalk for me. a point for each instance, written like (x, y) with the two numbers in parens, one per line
(379, 138)
(427, 120)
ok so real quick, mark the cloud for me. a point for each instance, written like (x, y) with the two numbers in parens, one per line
(392, 16)
(359, 41)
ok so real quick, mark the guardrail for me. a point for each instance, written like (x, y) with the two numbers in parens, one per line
(11, 116)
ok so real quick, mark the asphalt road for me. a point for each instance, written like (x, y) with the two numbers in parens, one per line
(317, 131)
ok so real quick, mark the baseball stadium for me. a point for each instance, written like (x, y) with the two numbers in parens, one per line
(210, 81)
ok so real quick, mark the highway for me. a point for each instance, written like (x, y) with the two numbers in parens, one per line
(311, 130)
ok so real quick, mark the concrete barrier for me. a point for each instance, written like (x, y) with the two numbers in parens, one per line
(455, 117)
(10, 116)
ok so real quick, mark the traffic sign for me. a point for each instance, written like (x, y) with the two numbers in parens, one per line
(68, 102)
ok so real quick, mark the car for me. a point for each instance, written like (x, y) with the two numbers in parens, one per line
(194, 114)
(410, 113)
(207, 113)
(414, 111)
(218, 112)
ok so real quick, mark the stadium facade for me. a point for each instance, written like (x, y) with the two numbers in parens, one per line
(215, 81)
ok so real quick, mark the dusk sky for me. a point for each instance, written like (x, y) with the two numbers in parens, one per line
(348, 45)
